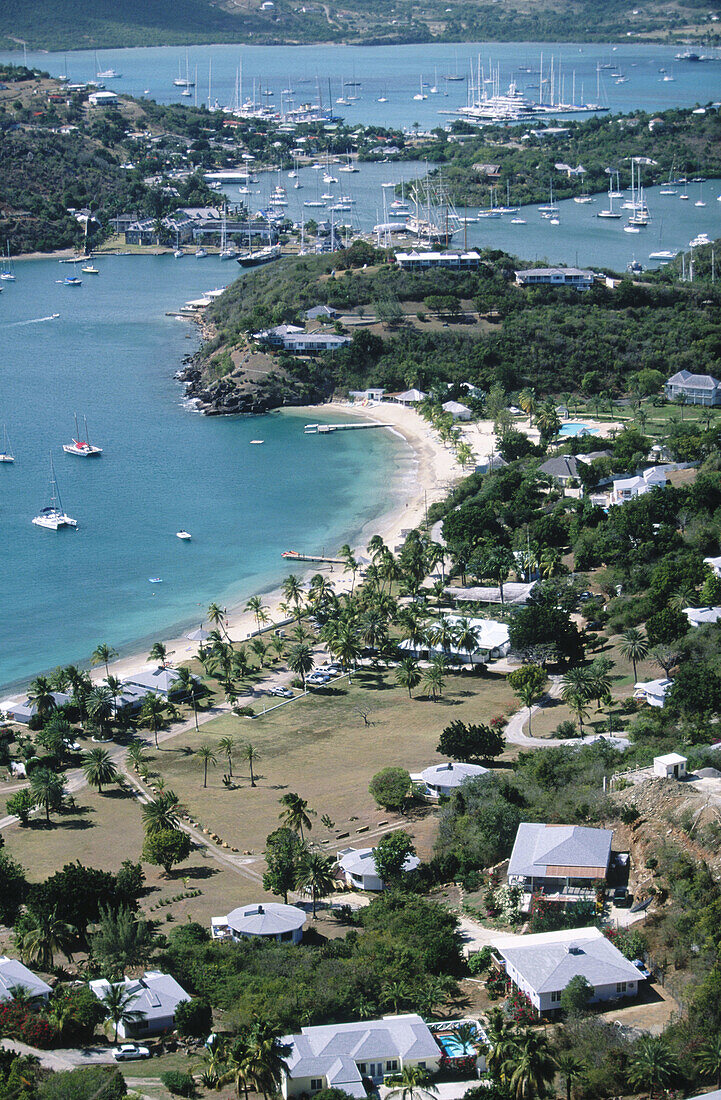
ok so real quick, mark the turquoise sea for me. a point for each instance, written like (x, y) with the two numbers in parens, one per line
(112, 354)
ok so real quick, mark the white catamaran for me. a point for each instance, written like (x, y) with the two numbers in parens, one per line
(80, 446)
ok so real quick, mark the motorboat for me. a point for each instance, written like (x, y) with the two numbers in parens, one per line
(80, 446)
(155, 580)
(184, 535)
(200, 254)
(53, 517)
(664, 254)
(90, 269)
(72, 280)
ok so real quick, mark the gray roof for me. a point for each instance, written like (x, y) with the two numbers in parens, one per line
(155, 995)
(361, 861)
(560, 466)
(161, 680)
(538, 846)
(548, 960)
(270, 918)
(697, 381)
(320, 311)
(13, 974)
(332, 1050)
(451, 775)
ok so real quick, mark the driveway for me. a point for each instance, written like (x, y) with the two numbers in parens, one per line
(474, 936)
(63, 1059)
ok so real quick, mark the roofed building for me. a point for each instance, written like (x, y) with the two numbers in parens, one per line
(270, 920)
(358, 867)
(15, 976)
(561, 861)
(154, 997)
(417, 261)
(696, 389)
(555, 276)
(443, 779)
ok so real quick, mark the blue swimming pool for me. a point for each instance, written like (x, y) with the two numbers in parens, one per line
(576, 428)
(454, 1048)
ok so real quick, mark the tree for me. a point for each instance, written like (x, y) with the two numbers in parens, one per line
(265, 1057)
(531, 1067)
(41, 697)
(166, 848)
(497, 563)
(117, 1001)
(390, 855)
(99, 768)
(136, 755)
(630, 447)
(433, 679)
(186, 682)
(709, 1059)
(103, 655)
(666, 625)
(316, 876)
(152, 714)
(529, 684)
(43, 936)
(13, 888)
(569, 1067)
(161, 814)
(283, 852)
(216, 616)
(259, 611)
(194, 1018)
(470, 743)
(47, 789)
(411, 1084)
(577, 995)
(206, 756)
(159, 652)
(301, 660)
(296, 814)
(251, 754)
(21, 804)
(226, 745)
(653, 1066)
(99, 705)
(391, 788)
(408, 674)
(634, 647)
(122, 939)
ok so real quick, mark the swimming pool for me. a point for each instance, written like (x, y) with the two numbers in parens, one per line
(454, 1048)
(576, 428)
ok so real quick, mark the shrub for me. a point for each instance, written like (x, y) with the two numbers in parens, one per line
(629, 814)
(566, 729)
(180, 1084)
(480, 962)
(391, 787)
(520, 1008)
(17, 1021)
(194, 1018)
(84, 1083)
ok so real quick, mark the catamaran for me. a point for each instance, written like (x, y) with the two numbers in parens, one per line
(53, 517)
(81, 446)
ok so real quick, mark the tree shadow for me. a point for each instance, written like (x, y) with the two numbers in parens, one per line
(118, 793)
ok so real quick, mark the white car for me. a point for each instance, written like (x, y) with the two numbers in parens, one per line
(128, 1051)
(281, 692)
(317, 678)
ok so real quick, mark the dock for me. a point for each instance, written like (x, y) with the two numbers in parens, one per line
(293, 555)
(322, 429)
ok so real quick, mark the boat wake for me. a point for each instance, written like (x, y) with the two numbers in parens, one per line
(32, 321)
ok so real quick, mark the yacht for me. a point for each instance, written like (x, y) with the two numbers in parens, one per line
(90, 269)
(80, 446)
(72, 280)
(699, 241)
(53, 517)
(183, 535)
(6, 454)
(610, 213)
(261, 256)
(200, 253)
(664, 254)
(7, 271)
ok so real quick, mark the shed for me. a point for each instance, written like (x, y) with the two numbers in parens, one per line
(670, 766)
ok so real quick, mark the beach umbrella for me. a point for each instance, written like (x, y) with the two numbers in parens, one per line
(198, 635)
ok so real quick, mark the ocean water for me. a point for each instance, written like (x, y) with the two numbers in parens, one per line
(395, 73)
(111, 354)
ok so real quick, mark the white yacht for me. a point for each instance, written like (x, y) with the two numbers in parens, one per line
(185, 535)
(82, 447)
(53, 517)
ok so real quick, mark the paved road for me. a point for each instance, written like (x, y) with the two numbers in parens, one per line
(63, 1059)
(514, 730)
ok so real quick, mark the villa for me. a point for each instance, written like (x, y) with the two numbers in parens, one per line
(23, 712)
(696, 389)
(416, 261)
(653, 692)
(628, 488)
(699, 616)
(714, 564)
(267, 921)
(407, 398)
(15, 976)
(358, 867)
(457, 410)
(541, 966)
(160, 681)
(154, 997)
(342, 1056)
(564, 862)
(561, 468)
(443, 779)
(555, 276)
(492, 641)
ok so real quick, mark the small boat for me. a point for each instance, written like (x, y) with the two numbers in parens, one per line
(155, 580)
(664, 254)
(90, 269)
(178, 253)
(631, 229)
(684, 197)
(81, 446)
(6, 454)
(200, 254)
(53, 517)
(256, 441)
(72, 280)
(185, 535)
(518, 221)
(7, 271)
(555, 221)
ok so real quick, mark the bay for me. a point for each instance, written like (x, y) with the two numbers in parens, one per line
(111, 354)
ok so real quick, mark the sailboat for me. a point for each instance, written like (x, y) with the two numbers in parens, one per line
(80, 446)
(434, 89)
(6, 454)
(53, 517)
(610, 213)
(105, 74)
(420, 94)
(7, 271)
(699, 201)
(227, 252)
(549, 207)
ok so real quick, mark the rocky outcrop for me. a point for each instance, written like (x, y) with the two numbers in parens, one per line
(223, 397)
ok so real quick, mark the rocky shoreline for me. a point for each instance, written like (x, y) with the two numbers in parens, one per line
(222, 398)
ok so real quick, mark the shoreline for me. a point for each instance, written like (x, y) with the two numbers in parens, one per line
(434, 475)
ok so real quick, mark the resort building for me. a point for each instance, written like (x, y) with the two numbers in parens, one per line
(417, 261)
(154, 997)
(371, 394)
(267, 921)
(670, 766)
(541, 966)
(457, 410)
(492, 641)
(628, 488)
(491, 463)
(561, 468)
(160, 681)
(15, 976)
(652, 692)
(408, 397)
(444, 779)
(564, 862)
(23, 712)
(696, 389)
(714, 564)
(342, 1056)
(358, 867)
(555, 276)
(699, 616)
(297, 341)
(321, 313)
(514, 593)
(102, 99)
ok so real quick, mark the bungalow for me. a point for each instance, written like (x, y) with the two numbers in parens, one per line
(269, 921)
(563, 861)
(561, 468)
(514, 593)
(652, 692)
(696, 389)
(408, 397)
(314, 342)
(23, 712)
(628, 488)
(492, 642)
(342, 1056)
(443, 779)
(371, 394)
(416, 261)
(670, 766)
(698, 616)
(358, 867)
(15, 976)
(714, 564)
(102, 99)
(488, 465)
(154, 998)
(555, 276)
(321, 313)
(541, 966)
(457, 411)
(161, 681)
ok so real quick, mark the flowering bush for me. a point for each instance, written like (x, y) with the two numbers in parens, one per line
(520, 1008)
(496, 987)
(498, 722)
(463, 1067)
(507, 900)
(18, 1021)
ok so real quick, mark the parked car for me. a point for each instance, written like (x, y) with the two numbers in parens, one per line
(621, 898)
(317, 678)
(126, 1052)
(281, 692)
(640, 966)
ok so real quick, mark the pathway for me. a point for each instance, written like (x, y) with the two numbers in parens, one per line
(514, 730)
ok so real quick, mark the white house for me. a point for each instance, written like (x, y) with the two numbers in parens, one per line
(154, 997)
(269, 920)
(457, 410)
(555, 276)
(698, 616)
(670, 766)
(628, 488)
(343, 1055)
(415, 261)
(697, 389)
(14, 975)
(653, 692)
(563, 861)
(443, 779)
(492, 641)
(161, 681)
(542, 965)
(359, 868)
(102, 99)
(715, 564)
(408, 397)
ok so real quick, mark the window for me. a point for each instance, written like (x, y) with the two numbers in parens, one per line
(421, 1065)
(555, 996)
(392, 1065)
(361, 1067)
(316, 1084)
(620, 987)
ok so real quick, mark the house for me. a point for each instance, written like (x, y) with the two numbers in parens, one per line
(561, 468)
(23, 712)
(697, 389)
(408, 397)
(492, 642)
(143, 232)
(541, 966)
(358, 866)
(102, 99)
(341, 1056)
(514, 593)
(653, 692)
(161, 681)
(321, 313)
(154, 997)
(268, 921)
(296, 340)
(714, 564)
(628, 488)
(491, 463)
(371, 394)
(563, 861)
(418, 261)
(443, 779)
(457, 411)
(14, 975)
(555, 276)
(670, 766)
(698, 616)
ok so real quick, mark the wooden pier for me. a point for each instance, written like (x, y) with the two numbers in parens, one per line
(322, 429)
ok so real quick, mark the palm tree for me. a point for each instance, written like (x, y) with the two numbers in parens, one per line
(159, 652)
(115, 687)
(634, 646)
(296, 814)
(161, 814)
(136, 755)
(47, 789)
(40, 696)
(292, 591)
(226, 745)
(117, 1002)
(216, 616)
(497, 564)
(502, 1039)
(433, 680)
(300, 660)
(394, 994)
(345, 646)
(100, 705)
(467, 638)
(653, 1066)
(102, 655)
(152, 712)
(569, 1067)
(46, 935)
(529, 403)
(408, 674)
(709, 1059)
(259, 611)
(251, 755)
(98, 768)
(529, 694)
(315, 876)
(531, 1067)
(265, 1059)
(187, 682)
(206, 756)
(412, 1083)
